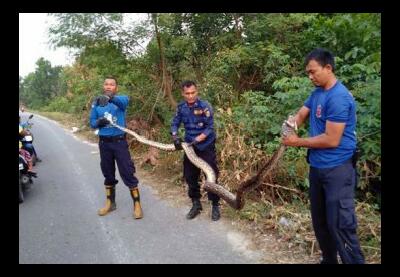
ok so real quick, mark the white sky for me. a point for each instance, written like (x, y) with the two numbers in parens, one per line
(33, 38)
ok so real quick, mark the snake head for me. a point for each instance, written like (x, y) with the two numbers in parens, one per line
(109, 117)
(289, 126)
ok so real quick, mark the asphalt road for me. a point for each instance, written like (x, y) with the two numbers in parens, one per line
(58, 222)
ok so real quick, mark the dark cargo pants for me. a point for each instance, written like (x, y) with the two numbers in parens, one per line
(192, 173)
(116, 150)
(333, 213)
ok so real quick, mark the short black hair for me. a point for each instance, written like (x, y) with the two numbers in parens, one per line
(187, 84)
(111, 77)
(321, 56)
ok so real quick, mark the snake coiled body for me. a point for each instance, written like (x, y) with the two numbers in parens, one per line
(236, 201)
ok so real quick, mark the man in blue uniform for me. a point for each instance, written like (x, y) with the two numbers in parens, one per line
(197, 117)
(114, 147)
(332, 145)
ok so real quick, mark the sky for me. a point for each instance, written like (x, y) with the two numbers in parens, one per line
(33, 37)
(33, 42)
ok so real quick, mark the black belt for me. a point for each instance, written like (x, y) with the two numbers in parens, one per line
(113, 139)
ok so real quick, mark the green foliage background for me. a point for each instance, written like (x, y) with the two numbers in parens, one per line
(251, 64)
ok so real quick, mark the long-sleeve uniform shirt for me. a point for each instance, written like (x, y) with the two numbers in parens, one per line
(116, 107)
(196, 119)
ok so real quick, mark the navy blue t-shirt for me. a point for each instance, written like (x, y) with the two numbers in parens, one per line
(336, 105)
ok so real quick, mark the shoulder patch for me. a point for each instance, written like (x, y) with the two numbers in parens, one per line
(198, 111)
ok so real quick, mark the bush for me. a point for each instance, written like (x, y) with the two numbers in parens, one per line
(59, 104)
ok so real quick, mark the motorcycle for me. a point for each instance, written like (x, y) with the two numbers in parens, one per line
(25, 178)
(27, 140)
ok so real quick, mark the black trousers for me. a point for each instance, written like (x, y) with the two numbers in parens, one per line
(192, 173)
(333, 213)
(117, 151)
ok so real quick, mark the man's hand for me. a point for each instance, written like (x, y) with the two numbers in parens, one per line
(101, 122)
(330, 139)
(177, 142)
(103, 100)
(200, 138)
(291, 140)
(109, 94)
(289, 126)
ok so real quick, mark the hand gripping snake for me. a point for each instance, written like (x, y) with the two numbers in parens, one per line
(235, 201)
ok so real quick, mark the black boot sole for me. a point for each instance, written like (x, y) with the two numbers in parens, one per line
(193, 216)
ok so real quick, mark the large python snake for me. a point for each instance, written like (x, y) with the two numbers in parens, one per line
(235, 201)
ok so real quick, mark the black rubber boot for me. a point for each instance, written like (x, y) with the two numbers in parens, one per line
(195, 210)
(215, 214)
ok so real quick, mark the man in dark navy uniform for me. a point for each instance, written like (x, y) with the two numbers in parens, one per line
(113, 146)
(197, 117)
(331, 109)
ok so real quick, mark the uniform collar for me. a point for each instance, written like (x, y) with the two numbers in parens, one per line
(195, 105)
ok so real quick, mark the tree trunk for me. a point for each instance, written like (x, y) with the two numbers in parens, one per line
(166, 85)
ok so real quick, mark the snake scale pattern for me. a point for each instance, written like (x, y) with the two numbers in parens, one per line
(236, 201)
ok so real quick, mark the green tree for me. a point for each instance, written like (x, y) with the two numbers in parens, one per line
(39, 87)
(250, 63)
